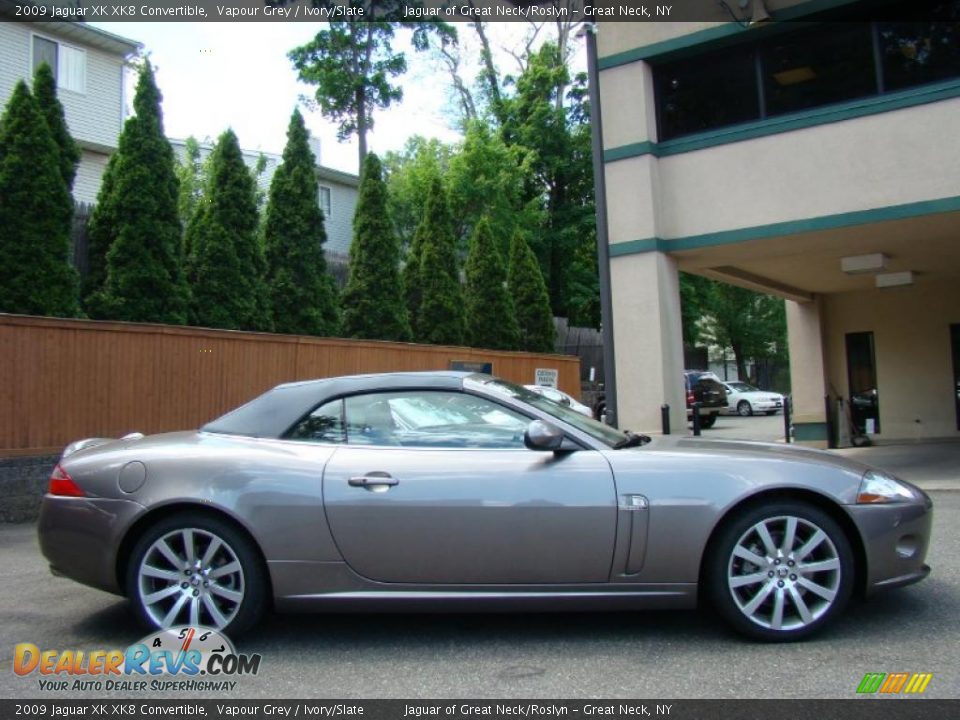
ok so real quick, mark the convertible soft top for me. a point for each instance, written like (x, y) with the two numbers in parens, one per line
(274, 412)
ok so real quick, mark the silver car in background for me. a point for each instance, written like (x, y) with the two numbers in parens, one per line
(452, 491)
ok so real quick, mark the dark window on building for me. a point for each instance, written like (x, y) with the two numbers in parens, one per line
(44, 51)
(818, 67)
(923, 50)
(706, 92)
(862, 381)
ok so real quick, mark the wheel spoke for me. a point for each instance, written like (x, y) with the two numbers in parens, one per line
(776, 622)
(826, 593)
(741, 580)
(161, 594)
(812, 544)
(751, 607)
(225, 569)
(745, 554)
(801, 606)
(188, 548)
(171, 616)
(212, 548)
(218, 619)
(159, 573)
(165, 550)
(195, 611)
(819, 566)
(232, 595)
(768, 543)
(789, 536)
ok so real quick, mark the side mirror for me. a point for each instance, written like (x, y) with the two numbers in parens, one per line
(542, 436)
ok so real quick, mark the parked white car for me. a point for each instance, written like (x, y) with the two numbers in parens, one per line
(559, 396)
(744, 399)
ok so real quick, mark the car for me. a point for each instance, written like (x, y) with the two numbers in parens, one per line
(706, 389)
(744, 399)
(452, 491)
(561, 397)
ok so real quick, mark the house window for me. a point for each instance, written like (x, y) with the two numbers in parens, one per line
(325, 201)
(69, 64)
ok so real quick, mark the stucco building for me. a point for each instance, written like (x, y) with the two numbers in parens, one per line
(815, 160)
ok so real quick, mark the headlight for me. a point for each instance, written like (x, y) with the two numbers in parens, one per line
(878, 487)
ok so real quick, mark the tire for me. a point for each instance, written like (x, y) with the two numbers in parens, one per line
(771, 412)
(739, 580)
(708, 421)
(226, 591)
(744, 409)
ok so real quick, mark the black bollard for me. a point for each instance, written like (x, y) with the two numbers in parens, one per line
(696, 419)
(786, 419)
(665, 418)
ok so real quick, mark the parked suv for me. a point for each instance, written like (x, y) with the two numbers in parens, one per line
(704, 388)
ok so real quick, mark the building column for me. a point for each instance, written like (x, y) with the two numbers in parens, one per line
(807, 372)
(648, 335)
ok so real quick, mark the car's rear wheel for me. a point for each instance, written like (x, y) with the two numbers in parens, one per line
(780, 571)
(744, 409)
(708, 421)
(196, 569)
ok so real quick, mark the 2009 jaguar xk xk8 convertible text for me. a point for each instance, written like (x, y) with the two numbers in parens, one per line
(456, 491)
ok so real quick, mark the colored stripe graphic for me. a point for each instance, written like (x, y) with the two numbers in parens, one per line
(893, 683)
(918, 683)
(871, 682)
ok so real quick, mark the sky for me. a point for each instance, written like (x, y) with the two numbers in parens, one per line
(219, 75)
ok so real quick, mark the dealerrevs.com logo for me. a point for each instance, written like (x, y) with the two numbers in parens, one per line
(190, 658)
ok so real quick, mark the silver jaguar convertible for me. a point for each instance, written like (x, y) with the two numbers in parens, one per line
(453, 491)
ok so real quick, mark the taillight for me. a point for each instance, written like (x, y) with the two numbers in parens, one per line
(62, 484)
(691, 398)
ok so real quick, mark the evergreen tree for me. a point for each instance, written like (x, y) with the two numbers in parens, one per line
(226, 263)
(144, 279)
(302, 293)
(530, 298)
(45, 93)
(373, 306)
(440, 320)
(491, 318)
(36, 276)
(101, 234)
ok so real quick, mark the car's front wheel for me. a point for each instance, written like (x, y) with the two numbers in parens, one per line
(744, 409)
(196, 569)
(708, 421)
(780, 571)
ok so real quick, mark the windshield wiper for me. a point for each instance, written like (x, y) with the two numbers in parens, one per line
(632, 440)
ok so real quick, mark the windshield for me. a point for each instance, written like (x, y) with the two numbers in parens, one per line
(609, 436)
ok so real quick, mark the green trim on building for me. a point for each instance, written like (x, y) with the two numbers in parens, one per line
(718, 36)
(810, 432)
(863, 107)
(789, 227)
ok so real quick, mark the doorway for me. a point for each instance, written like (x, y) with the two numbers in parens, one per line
(862, 382)
(955, 345)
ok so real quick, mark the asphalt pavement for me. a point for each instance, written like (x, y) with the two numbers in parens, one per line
(655, 655)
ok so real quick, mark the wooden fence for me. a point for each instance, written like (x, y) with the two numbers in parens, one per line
(62, 380)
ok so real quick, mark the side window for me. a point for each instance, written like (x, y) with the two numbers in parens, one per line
(323, 425)
(432, 419)
(325, 201)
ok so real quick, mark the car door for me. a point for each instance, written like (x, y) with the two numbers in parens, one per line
(437, 487)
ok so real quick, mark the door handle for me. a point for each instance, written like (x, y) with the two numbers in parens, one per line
(376, 481)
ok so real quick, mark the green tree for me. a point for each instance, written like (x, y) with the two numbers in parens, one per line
(36, 276)
(45, 93)
(491, 317)
(440, 319)
(530, 298)
(226, 265)
(144, 279)
(302, 292)
(353, 64)
(192, 173)
(101, 235)
(408, 175)
(696, 293)
(373, 305)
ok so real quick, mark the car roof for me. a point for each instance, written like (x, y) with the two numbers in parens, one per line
(275, 411)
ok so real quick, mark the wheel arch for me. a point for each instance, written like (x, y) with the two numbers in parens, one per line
(155, 515)
(821, 502)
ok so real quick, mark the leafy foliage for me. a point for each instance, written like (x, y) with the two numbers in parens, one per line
(226, 264)
(409, 173)
(491, 319)
(36, 277)
(440, 317)
(302, 292)
(45, 93)
(530, 298)
(144, 281)
(373, 305)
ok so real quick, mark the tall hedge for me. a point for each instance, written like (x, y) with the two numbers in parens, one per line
(441, 319)
(226, 264)
(373, 305)
(36, 275)
(144, 280)
(45, 92)
(491, 318)
(303, 295)
(530, 298)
